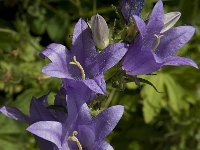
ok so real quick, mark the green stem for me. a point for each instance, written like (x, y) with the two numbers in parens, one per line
(110, 98)
(8, 31)
(94, 7)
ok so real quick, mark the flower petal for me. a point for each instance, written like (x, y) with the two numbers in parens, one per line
(107, 120)
(60, 98)
(38, 112)
(77, 108)
(155, 25)
(57, 53)
(107, 59)
(54, 70)
(111, 56)
(130, 8)
(78, 113)
(96, 84)
(83, 46)
(102, 145)
(48, 130)
(156, 20)
(54, 52)
(140, 62)
(86, 136)
(60, 105)
(44, 144)
(179, 61)
(44, 100)
(140, 25)
(80, 88)
(14, 113)
(174, 39)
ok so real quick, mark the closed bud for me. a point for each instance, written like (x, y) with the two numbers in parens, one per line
(129, 8)
(100, 31)
(170, 20)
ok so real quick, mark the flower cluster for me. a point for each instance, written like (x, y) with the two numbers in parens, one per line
(68, 124)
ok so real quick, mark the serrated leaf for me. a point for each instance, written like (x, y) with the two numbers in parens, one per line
(149, 83)
(152, 99)
(173, 98)
(175, 95)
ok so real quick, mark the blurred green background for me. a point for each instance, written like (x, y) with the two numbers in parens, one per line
(169, 120)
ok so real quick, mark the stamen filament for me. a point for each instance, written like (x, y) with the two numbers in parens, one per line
(158, 37)
(75, 139)
(76, 63)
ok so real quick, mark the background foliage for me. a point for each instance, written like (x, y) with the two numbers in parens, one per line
(164, 120)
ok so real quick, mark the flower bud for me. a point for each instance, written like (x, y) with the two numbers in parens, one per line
(100, 31)
(170, 20)
(130, 8)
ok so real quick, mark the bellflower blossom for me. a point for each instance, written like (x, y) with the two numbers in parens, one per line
(82, 65)
(129, 8)
(38, 112)
(80, 131)
(156, 45)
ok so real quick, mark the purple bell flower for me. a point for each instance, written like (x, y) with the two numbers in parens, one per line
(154, 47)
(82, 65)
(129, 8)
(80, 131)
(39, 111)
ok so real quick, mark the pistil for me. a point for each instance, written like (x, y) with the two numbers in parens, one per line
(158, 37)
(75, 139)
(76, 63)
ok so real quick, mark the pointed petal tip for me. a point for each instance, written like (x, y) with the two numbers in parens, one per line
(119, 109)
(48, 130)
(107, 120)
(178, 13)
(45, 70)
(42, 55)
(159, 4)
(140, 25)
(96, 84)
(14, 113)
(81, 21)
(195, 66)
(192, 63)
(188, 29)
(193, 29)
(179, 61)
(136, 17)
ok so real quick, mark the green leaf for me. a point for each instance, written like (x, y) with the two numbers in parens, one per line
(175, 95)
(111, 72)
(56, 28)
(152, 99)
(174, 99)
(10, 126)
(38, 25)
